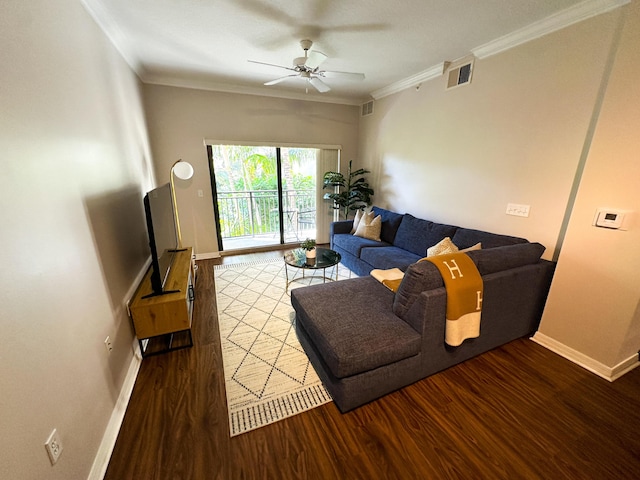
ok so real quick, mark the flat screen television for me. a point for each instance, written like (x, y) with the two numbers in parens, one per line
(163, 237)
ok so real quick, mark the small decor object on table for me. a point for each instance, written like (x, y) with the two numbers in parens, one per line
(309, 246)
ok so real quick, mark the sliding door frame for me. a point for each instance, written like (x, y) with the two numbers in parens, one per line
(277, 145)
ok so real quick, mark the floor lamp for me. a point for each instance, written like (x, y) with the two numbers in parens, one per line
(184, 171)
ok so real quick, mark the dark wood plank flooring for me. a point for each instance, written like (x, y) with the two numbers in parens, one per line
(519, 411)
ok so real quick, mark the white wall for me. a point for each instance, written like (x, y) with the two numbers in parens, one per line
(181, 119)
(521, 133)
(593, 310)
(514, 135)
(75, 161)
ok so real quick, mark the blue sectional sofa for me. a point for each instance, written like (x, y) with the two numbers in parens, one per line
(365, 340)
(405, 240)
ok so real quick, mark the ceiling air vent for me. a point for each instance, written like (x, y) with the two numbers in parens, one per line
(367, 108)
(460, 75)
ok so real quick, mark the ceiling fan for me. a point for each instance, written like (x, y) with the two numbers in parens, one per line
(308, 68)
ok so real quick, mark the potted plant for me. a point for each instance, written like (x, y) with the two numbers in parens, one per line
(309, 246)
(356, 194)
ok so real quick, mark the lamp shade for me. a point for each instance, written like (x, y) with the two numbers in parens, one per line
(182, 170)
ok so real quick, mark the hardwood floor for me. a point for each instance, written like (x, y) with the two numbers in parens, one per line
(519, 411)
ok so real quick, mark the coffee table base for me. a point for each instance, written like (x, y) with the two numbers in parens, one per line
(303, 277)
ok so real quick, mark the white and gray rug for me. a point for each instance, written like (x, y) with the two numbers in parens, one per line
(268, 376)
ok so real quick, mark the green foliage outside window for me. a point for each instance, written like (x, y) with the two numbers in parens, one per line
(246, 178)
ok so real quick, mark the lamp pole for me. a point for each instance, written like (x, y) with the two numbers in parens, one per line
(184, 171)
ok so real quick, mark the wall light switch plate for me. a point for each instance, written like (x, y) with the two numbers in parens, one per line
(518, 210)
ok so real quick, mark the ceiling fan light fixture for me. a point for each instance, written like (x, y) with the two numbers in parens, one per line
(308, 68)
(299, 61)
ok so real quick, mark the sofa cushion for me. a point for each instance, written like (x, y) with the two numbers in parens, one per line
(348, 341)
(509, 256)
(353, 245)
(390, 223)
(388, 257)
(416, 235)
(466, 237)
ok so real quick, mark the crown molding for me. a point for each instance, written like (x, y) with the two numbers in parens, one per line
(196, 84)
(110, 28)
(577, 13)
(113, 32)
(409, 82)
(558, 21)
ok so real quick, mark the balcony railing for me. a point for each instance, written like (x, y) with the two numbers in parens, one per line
(253, 213)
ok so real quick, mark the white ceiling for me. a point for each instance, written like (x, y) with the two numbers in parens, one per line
(207, 43)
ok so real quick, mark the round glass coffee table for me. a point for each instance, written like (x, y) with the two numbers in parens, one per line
(325, 258)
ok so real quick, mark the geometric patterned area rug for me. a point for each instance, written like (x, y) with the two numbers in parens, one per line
(268, 377)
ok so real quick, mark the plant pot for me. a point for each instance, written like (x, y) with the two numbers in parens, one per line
(311, 254)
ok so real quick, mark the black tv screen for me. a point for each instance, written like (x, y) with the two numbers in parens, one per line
(163, 237)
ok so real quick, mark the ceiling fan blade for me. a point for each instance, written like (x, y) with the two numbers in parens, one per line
(278, 80)
(344, 75)
(272, 65)
(314, 59)
(319, 84)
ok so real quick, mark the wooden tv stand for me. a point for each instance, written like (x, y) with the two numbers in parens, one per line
(163, 322)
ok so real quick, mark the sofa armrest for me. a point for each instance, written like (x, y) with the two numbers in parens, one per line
(342, 226)
(427, 315)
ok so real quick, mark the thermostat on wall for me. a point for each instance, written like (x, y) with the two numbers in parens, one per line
(609, 218)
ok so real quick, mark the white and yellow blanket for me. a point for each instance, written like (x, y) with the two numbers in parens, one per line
(464, 296)
(390, 278)
(464, 293)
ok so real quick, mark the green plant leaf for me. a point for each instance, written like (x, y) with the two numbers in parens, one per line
(356, 194)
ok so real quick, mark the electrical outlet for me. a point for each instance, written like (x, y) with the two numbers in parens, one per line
(107, 344)
(53, 446)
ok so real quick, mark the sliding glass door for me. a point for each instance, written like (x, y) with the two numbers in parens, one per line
(263, 195)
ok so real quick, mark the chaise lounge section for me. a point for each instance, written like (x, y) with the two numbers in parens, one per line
(366, 341)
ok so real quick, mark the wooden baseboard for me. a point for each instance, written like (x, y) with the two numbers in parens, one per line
(588, 363)
(207, 256)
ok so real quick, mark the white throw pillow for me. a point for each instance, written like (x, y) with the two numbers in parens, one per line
(356, 221)
(443, 247)
(369, 227)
